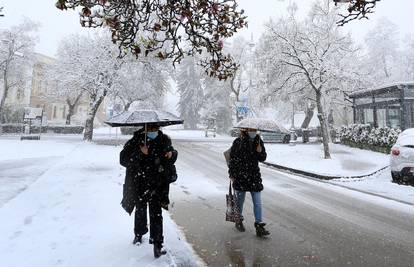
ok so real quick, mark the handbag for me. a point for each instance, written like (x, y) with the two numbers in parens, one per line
(172, 177)
(227, 155)
(232, 211)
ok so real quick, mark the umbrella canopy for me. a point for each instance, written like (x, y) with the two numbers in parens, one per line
(143, 117)
(264, 125)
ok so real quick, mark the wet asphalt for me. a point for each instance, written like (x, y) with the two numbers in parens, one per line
(311, 223)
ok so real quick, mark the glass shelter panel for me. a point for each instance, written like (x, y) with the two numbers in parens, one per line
(369, 116)
(394, 116)
(388, 96)
(409, 92)
(382, 117)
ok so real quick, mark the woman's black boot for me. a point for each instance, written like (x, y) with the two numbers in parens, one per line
(158, 250)
(260, 230)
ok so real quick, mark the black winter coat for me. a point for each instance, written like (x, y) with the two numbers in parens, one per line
(244, 164)
(147, 176)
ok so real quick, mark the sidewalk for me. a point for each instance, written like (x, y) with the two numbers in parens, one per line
(353, 168)
(345, 161)
(71, 216)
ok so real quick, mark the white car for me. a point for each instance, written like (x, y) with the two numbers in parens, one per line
(402, 157)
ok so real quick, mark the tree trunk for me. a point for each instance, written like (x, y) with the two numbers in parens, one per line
(309, 116)
(70, 114)
(127, 106)
(72, 107)
(93, 108)
(322, 121)
(5, 92)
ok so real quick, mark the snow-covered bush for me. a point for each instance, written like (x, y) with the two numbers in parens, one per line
(16, 128)
(65, 129)
(363, 134)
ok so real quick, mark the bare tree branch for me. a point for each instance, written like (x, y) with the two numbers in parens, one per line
(358, 9)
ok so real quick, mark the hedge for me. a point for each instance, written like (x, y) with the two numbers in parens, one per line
(364, 136)
(13, 128)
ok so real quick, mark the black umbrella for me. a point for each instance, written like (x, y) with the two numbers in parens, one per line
(144, 118)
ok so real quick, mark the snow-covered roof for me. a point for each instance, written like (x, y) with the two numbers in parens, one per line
(380, 88)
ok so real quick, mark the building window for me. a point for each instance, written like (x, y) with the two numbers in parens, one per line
(369, 116)
(54, 111)
(394, 117)
(382, 117)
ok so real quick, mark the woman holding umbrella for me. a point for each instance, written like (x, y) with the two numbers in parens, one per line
(245, 154)
(149, 159)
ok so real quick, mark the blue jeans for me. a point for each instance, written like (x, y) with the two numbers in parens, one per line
(257, 204)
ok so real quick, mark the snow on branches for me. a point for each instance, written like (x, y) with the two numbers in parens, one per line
(169, 29)
(16, 50)
(310, 59)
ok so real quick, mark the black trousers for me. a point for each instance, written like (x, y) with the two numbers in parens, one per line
(155, 213)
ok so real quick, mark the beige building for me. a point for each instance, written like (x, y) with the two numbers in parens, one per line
(37, 92)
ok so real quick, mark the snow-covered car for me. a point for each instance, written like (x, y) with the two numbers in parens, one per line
(402, 157)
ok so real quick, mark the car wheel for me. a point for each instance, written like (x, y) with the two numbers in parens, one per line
(286, 139)
(396, 177)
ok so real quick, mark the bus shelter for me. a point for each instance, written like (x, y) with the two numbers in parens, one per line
(391, 105)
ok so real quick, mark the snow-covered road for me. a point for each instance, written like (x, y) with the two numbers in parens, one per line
(312, 223)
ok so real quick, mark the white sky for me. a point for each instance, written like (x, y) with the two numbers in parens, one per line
(56, 24)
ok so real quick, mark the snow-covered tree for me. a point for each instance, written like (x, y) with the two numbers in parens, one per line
(382, 52)
(141, 81)
(216, 104)
(405, 61)
(241, 50)
(69, 86)
(16, 50)
(95, 67)
(310, 59)
(190, 89)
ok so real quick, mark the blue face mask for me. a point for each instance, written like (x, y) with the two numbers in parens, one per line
(152, 135)
(252, 135)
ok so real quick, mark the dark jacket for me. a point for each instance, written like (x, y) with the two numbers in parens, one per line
(147, 176)
(244, 163)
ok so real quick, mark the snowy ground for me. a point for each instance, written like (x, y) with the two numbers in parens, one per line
(345, 161)
(59, 197)
(70, 214)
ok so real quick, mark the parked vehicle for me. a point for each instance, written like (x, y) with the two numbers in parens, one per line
(402, 158)
(234, 132)
(270, 130)
(276, 137)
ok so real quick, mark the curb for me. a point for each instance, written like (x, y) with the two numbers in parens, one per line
(316, 175)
